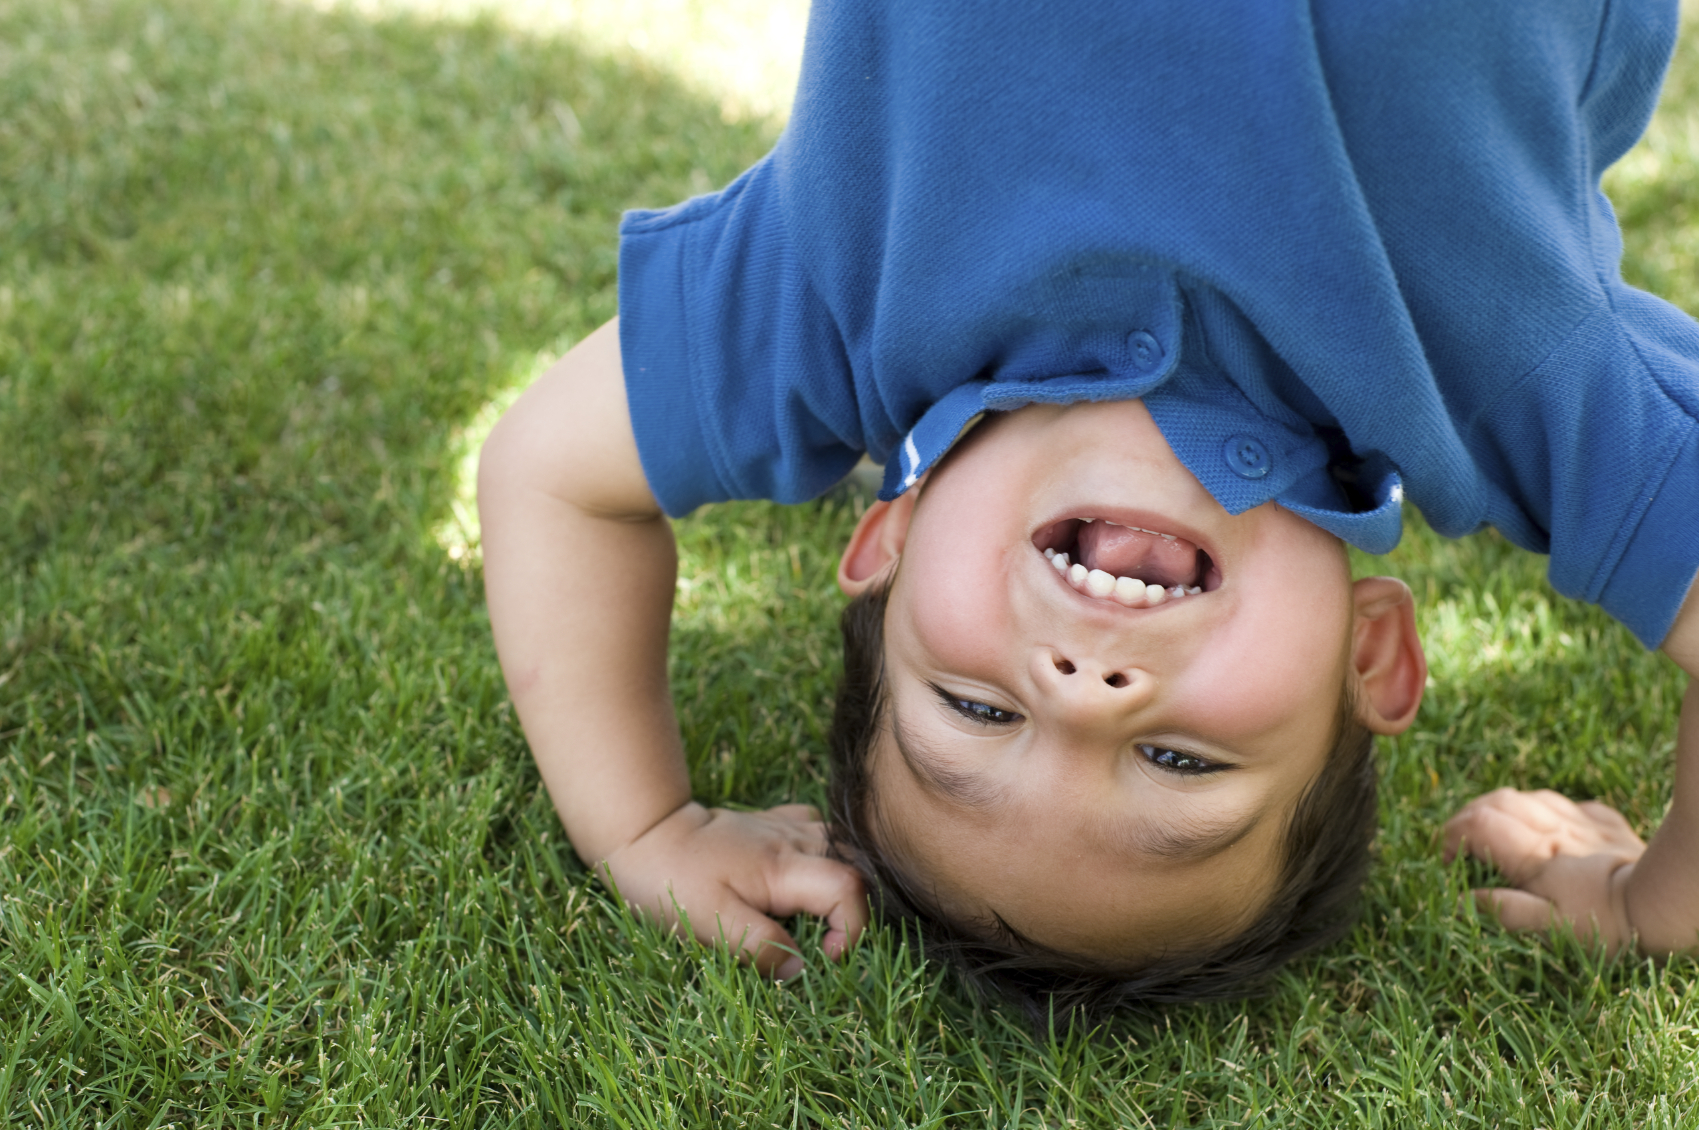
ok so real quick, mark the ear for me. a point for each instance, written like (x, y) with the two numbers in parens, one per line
(876, 544)
(1386, 655)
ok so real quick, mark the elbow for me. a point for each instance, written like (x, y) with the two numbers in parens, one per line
(501, 467)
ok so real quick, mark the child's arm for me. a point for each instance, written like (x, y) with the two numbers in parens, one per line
(579, 569)
(1582, 863)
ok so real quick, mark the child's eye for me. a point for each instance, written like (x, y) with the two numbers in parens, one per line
(990, 715)
(1176, 762)
(978, 711)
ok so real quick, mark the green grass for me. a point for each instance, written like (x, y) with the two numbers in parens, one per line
(272, 851)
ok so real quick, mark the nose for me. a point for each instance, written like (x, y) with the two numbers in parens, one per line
(1090, 692)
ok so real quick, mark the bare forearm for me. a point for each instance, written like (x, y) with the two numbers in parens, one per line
(579, 568)
(579, 606)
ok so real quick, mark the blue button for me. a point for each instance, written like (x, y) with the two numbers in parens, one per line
(1146, 350)
(1248, 458)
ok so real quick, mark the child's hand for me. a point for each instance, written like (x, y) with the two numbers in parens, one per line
(733, 873)
(1570, 862)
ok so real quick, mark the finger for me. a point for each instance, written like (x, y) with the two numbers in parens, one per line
(1542, 809)
(798, 813)
(1601, 813)
(1516, 910)
(1463, 831)
(763, 942)
(808, 837)
(1554, 802)
(815, 839)
(1609, 821)
(1457, 827)
(1573, 828)
(825, 888)
(1503, 839)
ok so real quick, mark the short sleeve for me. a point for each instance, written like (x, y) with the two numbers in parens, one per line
(735, 373)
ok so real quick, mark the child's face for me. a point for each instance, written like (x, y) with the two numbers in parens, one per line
(1107, 780)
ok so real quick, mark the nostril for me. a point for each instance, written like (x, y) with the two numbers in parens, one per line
(1116, 680)
(1064, 666)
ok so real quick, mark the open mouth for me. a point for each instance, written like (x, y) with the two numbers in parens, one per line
(1129, 565)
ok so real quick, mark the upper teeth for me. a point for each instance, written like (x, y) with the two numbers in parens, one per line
(1129, 591)
(1124, 526)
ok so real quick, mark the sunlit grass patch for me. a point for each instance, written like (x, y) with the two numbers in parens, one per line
(1467, 634)
(744, 54)
(458, 531)
(1655, 189)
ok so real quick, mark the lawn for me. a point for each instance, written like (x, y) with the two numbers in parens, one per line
(272, 850)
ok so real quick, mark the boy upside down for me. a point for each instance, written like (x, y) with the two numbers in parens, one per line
(1148, 310)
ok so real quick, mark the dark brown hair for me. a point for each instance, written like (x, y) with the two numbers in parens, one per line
(1327, 857)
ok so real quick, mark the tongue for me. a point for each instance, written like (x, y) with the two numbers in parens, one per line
(1151, 558)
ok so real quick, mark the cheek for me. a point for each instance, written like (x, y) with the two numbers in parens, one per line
(959, 630)
(1279, 672)
(956, 611)
(940, 846)
(1278, 663)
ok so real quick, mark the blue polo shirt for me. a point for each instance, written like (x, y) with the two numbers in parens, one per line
(1344, 252)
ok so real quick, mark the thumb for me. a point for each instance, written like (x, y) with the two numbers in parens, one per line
(825, 888)
(767, 945)
(1516, 910)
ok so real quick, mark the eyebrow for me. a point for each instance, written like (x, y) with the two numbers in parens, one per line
(1187, 840)
(965, 789)
(1193, 841)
